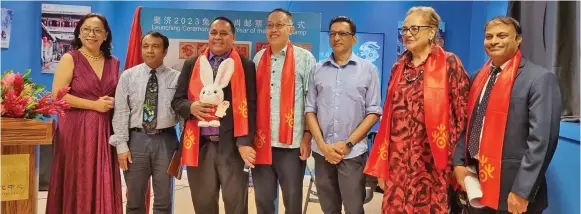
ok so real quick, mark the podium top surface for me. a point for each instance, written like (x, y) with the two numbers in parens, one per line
(20, 132)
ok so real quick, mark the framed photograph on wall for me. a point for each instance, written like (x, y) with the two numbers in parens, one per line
(58, 25)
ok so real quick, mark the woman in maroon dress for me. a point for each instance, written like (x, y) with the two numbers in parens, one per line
(85, 177)
(424, 114)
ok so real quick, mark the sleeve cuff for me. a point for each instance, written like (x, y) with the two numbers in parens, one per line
(458, 158)
(521, 194)
(186, 110)
(310, 110)
(122, 148)
(245, 141)
(374, 110)
(458, 163)
(523, 191)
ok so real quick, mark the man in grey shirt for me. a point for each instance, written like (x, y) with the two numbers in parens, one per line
(343, 103)
(143, 124)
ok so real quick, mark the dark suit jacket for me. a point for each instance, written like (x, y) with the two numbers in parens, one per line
(228, 143)
(530, 140)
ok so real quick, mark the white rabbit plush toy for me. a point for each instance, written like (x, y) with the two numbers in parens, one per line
(212, 91)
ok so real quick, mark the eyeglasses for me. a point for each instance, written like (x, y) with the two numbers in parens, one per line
(86, 31)
(341, 34)
(412, 29)
(277, 25)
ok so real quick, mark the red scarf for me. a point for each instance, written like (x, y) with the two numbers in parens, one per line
(262, 139)
(191, 142)
(491, 144)
(436, 110)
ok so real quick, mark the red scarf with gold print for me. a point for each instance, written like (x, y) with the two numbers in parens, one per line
(262, 139)
(436, 110)
(490, 153)
(191, 142)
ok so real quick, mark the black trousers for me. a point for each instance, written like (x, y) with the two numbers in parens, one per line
(289, 170)
(217, 171)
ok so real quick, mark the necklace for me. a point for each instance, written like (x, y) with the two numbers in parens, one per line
(91, 57)
(406, 76)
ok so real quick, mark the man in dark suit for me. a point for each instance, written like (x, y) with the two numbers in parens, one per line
(514, 112)
(215, 157)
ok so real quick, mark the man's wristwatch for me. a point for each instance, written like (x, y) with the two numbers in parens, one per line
(350, 145)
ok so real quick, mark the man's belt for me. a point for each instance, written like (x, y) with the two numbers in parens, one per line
(155, 131)
(211, 138)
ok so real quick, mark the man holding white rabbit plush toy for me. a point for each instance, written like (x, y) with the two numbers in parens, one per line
(216, 96)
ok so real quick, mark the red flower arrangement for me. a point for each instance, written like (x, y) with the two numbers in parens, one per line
(22, 98)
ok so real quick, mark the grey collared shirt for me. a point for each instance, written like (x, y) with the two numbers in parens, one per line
(342, 96)
(129, 98)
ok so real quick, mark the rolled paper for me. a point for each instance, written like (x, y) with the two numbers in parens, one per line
(473, 190)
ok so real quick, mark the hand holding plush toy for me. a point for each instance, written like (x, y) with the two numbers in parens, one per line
(212, 91)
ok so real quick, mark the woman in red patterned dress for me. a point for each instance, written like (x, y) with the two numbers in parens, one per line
(424, 114)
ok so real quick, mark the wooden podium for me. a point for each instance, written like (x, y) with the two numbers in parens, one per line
(19, 171)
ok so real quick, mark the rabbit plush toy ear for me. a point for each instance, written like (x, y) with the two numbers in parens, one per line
(225, 71)
(206, 73)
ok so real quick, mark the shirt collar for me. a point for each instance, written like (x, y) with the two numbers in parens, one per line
(212, 55)
(283, 51)
(354, 59)
(501, 66)
(159, 69)
(504, 65)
